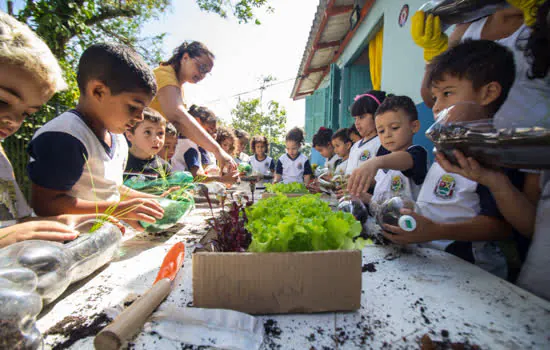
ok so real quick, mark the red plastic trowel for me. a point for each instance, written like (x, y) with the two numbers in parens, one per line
(133, 318)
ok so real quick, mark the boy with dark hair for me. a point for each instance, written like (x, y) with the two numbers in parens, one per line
(77, 159)
(399, 167)
(170, 142)
(147, 138)
(457, 214)
(342, 145)
(475, 71)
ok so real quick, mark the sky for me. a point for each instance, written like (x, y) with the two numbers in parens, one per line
(244, 52)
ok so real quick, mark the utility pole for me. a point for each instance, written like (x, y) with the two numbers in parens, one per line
(10, 7)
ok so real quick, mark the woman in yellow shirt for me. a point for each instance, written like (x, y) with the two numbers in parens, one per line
(190, 63)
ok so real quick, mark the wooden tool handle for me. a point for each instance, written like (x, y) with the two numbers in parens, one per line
(132, 318)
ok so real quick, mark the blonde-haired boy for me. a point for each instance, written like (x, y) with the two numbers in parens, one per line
(29, 76)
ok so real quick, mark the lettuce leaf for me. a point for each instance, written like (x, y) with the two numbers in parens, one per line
(306, 223)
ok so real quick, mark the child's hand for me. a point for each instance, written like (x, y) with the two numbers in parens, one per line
(362, 178)
(469, 168)
(38, 229)
(426, 230)
(426, 33)
(170, 190)
(139, 209)
(314, 186)
(529, 8)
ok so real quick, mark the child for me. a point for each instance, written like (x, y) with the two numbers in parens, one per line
(353, 134)
(362, 110)
(400, 167)
(293, 166)
(29, 76)
(147, 139)
(322, 143)
(227, 139)
(170, 142)
(243, 138)
(261, 163)
(191, 157)
(456, 214)
(342, 145)
(78, 159)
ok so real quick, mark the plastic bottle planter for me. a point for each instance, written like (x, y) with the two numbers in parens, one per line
(58, 265)
(461, 11)
(354, 206)
(20, 306)
(173, 211)
(387, 210)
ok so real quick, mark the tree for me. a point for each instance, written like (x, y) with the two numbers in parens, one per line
(247, 115)
(243, 10)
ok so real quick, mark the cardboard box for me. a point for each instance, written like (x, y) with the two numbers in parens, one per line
(276, 283)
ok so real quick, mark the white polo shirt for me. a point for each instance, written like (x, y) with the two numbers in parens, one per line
(362, 151)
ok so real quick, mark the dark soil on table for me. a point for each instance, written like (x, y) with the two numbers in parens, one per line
(272, 332)
(369, 267)
(74, 328)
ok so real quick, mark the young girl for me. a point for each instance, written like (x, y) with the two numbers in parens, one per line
(353, 134)
(362, 110)
(261, 163)
(322, 143)
(242, 142)
(342, 145)
(293, 166)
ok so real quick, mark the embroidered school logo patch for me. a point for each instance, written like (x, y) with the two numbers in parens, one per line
(365, 155)
(445, 187)
(300, 166)
(397, 184)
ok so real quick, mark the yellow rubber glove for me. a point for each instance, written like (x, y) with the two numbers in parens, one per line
(426, 33)
(529, 8)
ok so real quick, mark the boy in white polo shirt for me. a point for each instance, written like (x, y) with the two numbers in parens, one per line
(456, 214)
(400, 167)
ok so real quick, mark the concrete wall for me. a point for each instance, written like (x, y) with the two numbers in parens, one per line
(403, 62)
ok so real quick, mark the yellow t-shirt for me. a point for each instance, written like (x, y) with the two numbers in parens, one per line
(165, 76)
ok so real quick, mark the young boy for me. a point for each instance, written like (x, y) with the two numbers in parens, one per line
(400, 167)
(147, 139)
(456, 214)
(78, 159)
(29, 76)
(342, 145)
(170, 142)
(243, 138)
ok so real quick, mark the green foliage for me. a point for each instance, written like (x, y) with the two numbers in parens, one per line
(293, 187)
(248, 116)
(243, 10)
(306, 223)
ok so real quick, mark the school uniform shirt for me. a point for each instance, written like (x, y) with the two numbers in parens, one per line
(341, 166)
(406, 182)
(13, 205)
(293, 170)
(150, 168)
(331, 163)
(66, 155)
(242, 158)
(264, 167)
(186, 156)
(361, 151)
(451, 198)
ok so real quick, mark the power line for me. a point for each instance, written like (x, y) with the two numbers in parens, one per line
(263, 87)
